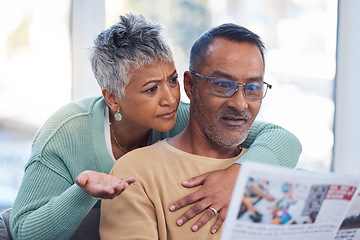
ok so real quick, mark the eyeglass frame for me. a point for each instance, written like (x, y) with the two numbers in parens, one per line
(209, 79)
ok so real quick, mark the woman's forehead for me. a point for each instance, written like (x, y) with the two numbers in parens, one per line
(156, 71)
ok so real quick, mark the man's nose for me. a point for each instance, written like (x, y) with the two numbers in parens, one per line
(238, 100)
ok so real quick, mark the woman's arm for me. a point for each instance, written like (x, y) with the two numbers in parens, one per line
(48, 206)
(267, 143)
(271, 144)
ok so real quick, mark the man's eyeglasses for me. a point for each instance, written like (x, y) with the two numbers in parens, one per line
(226, 88)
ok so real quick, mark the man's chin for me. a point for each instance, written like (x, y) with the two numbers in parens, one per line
(234, 138)
(230, 140)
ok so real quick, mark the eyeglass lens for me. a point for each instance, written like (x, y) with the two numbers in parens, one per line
(227, 88)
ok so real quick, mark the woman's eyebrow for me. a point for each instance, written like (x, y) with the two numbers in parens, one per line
(156, 81)
(151, 81)
(172, 74)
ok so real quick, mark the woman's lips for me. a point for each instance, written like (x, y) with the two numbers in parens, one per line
(168, 115)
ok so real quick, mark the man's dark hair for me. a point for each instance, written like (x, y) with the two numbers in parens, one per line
(229, 31)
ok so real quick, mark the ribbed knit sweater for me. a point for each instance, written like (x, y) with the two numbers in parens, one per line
(50, 205)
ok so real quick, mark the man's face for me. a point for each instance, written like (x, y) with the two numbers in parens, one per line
(227, 121)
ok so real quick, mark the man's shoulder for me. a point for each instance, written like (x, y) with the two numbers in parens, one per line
(142, 155)
(142, 160)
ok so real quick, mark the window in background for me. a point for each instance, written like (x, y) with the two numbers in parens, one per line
(35, 80)
(300, 37)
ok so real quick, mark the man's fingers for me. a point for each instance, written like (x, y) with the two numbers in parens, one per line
(195, 181)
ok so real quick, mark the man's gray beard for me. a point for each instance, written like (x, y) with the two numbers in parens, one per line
(211, 131)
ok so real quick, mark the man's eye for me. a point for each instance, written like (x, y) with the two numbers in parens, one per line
(223, 84)
(253, 86)
(152, 90)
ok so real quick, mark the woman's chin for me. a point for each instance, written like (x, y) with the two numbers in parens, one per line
(164, 127)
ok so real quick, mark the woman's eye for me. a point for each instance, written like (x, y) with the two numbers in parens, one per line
(173, 80)
(152, 90)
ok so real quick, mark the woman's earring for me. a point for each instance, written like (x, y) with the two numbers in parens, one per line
(117, 115)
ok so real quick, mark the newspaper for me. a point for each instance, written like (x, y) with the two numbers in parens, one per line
(350, 226)
(272, 202)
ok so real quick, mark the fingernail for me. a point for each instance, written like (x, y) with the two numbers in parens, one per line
(195, 228)
(179, 222)
(172, 207)
(213, 230)
(186, 181)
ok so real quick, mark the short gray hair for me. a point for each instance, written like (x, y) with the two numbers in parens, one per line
(126, 46)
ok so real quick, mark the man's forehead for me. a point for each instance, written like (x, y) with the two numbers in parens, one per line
(239, 75)
(226, 44)
(233, 58)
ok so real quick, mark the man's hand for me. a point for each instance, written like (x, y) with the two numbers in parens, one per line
(102, 185)
(215, 193)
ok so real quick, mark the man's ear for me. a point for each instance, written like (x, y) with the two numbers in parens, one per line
(189, 85)
(111, 99)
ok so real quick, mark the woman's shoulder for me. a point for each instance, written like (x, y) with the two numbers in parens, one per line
(184, 107)
(182, 119)
(73, 115)
(75, 108)
(80, 106)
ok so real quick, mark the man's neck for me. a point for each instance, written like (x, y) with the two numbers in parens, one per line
(195, 142)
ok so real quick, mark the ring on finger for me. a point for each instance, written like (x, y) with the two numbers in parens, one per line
(214, 210)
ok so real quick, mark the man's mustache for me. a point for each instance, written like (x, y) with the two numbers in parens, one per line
(230, 111)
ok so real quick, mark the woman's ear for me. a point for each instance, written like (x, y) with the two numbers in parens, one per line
(189, 84)
(111, 99)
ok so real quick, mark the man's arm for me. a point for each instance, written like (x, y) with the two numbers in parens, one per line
(128, 216)
(269, 144)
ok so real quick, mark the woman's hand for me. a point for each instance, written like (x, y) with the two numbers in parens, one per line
(215, 193)
(102, 185)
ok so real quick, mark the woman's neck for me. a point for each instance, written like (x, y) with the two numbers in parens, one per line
(125, 138)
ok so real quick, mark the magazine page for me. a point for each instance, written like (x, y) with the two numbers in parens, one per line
(350, 226)
(272, 202)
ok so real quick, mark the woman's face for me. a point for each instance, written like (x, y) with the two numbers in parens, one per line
(152, 97)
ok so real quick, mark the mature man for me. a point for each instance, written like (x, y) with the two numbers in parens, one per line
(225, 86)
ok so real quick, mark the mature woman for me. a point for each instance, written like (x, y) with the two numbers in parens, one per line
(140, 104)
